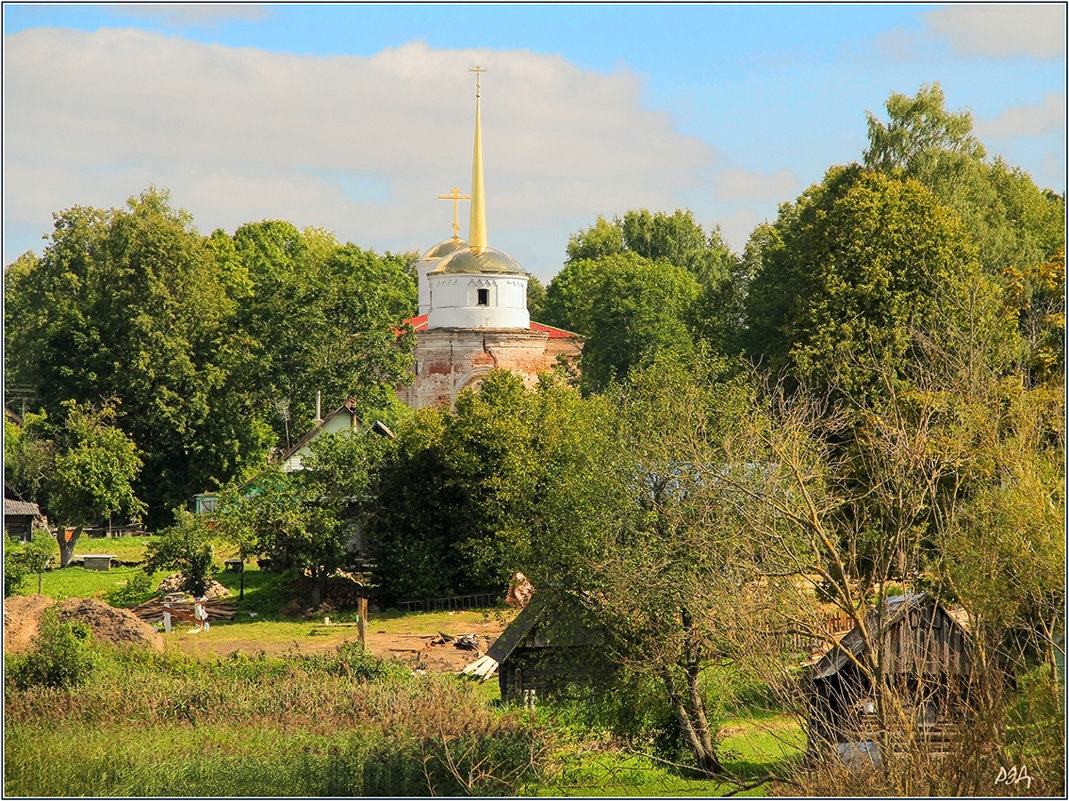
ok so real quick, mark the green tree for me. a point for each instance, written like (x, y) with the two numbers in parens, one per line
(1011, 222)
(307, 518)
(675, 238)
(15, 572)
(638, 310)
(856, 267)
(570, 295)
(687, 258)
(919, 133)
(36, 555)
(1037, 296)
(128, 304)
(187, 547)
(635, 531)
(321, 317)
(296, 527)
(454, 496)
(536, 297)
(92, 475)
(27, 456)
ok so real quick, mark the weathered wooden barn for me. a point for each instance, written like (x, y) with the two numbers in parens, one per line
(21, 517)
(543, 652)
(925, 653)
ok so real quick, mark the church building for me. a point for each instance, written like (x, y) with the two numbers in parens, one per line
(473, 314)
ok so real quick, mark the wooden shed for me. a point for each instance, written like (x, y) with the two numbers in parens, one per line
(925, 652)
(20, 516)
(537, 659)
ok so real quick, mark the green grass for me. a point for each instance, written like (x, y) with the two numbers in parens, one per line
(125, 549)
(77, 582)
(340, 723)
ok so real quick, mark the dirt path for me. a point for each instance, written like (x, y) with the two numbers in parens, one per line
(420, 651)
(420, 647)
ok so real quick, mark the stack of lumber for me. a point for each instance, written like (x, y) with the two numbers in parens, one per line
(482, 668)
(217, 609)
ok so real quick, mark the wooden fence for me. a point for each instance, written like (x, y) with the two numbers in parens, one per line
(479, 600)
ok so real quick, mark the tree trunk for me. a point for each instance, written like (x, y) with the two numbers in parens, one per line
(693, 723)
(319, 585)
(66, 547)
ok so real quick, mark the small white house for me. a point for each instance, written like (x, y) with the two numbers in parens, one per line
(344, 418)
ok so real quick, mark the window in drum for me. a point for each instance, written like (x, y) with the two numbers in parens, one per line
(483, 297)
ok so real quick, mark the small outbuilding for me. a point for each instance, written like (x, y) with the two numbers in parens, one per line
(925, 650)
(539, 655)
(21, 517)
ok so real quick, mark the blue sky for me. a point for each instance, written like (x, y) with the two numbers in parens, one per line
(355, 117)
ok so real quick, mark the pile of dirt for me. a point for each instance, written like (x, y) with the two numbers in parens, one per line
(22, 613)
(22, 617)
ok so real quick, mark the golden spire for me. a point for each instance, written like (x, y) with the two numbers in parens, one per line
(456, 197)
(477, 235)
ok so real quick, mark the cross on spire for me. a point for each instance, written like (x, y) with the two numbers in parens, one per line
(477, 71)
(456, 197)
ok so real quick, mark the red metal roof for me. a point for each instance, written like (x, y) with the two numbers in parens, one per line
(419, 323)
(554, 333)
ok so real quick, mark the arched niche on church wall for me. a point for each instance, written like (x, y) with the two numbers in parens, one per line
(473, 379)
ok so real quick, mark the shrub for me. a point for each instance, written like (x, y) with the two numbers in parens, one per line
(61, 655)
(136, 590)
(185, 547)
(15, 571)
(352, 661)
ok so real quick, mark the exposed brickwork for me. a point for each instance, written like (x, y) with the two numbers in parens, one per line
(450, 359)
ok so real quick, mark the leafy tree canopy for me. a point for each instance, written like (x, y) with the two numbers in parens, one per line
(1012, 223)
(675, 238)
(320, 317)
(127, 304)
(853, 272)
(92, 473)
(638, 310)
(216, 346)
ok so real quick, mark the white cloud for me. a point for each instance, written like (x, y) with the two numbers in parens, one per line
(193, 13)
(1034, 120)
(244, 134)
(736, 184)
(1002, 30)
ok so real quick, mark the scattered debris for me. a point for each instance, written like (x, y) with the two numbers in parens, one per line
(469, 642)
(152, 611)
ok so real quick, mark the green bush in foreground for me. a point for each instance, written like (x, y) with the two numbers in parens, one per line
(61, 655)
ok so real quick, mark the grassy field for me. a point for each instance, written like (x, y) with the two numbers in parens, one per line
(77, 582)
(279, 718)
(125, 549)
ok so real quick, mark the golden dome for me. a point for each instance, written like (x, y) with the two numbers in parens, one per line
(444, 248)
(487, 260)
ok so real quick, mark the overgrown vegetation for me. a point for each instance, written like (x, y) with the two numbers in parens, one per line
(61, 656)
(867, 404)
